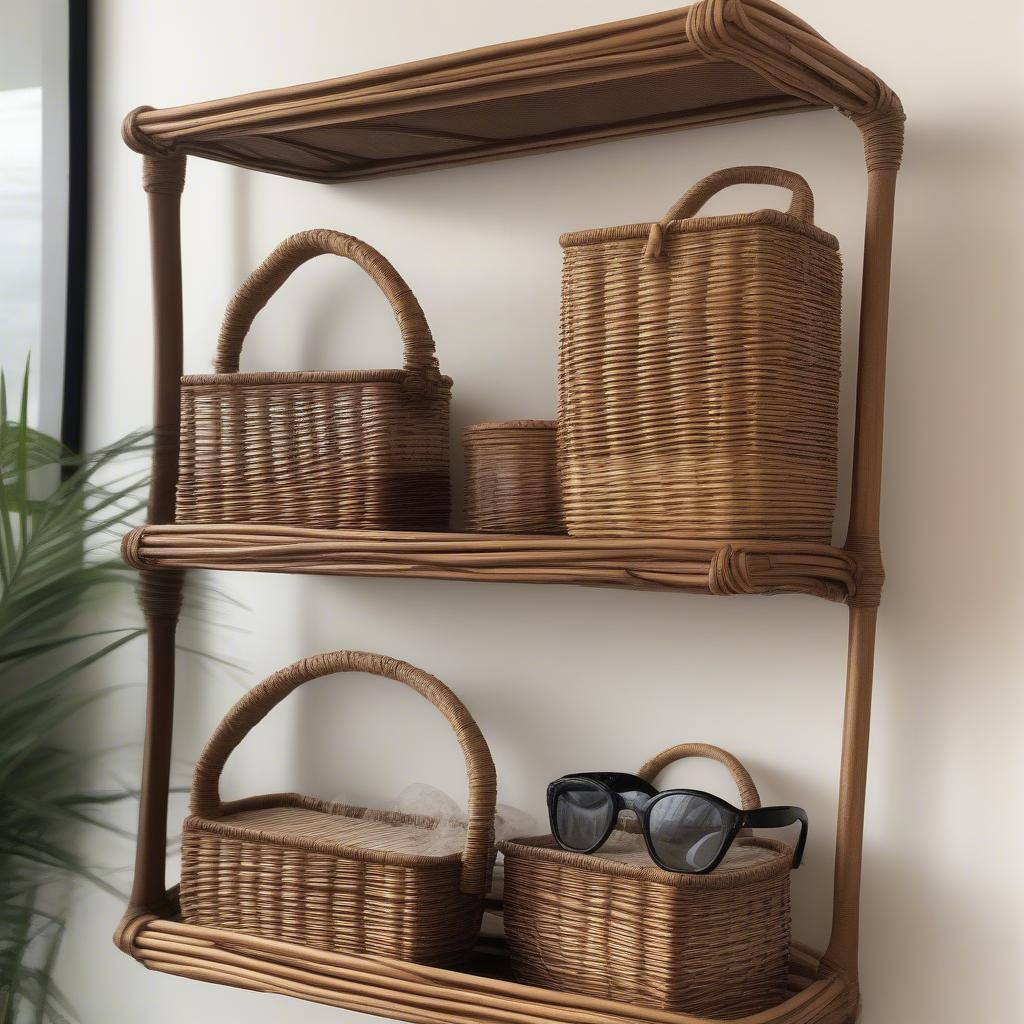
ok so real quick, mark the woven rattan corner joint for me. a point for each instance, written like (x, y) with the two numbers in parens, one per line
(765, 61)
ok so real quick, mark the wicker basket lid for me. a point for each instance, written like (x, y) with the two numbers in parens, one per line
(682, 218)
(694, 225)
(475, 428)
(750, 859)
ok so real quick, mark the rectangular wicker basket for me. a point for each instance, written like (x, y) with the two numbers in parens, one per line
(615, 926)
(333, 877)
(359, 449)
(699, 372)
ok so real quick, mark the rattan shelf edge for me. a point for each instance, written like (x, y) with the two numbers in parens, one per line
(712, 62)
(721, 568)
(428, 995)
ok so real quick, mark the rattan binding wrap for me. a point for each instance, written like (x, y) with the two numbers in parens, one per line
(331, 877)
(512, 478)
(615, 926)
(358, 449)
(699, 372)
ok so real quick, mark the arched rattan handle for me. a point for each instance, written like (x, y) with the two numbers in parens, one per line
(478, 854)
(749, 799)
(801, 205)
(264, 281)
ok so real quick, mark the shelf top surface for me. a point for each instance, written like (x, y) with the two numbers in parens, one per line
(712, 62)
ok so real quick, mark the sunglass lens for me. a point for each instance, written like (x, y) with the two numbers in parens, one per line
(687, 832)
(581, 815)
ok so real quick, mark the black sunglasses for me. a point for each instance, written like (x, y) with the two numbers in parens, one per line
(685, 829)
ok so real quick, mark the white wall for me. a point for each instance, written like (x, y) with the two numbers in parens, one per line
(563, 678)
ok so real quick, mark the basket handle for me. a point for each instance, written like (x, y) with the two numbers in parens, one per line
(749, 799)
(801, 205)
(478, 854)
(258, 288)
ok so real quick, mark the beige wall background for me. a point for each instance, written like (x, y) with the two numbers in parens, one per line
(563, 678)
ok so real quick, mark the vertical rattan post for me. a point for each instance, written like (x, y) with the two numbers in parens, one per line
(160, 591)
(863, 539)
(785, 50)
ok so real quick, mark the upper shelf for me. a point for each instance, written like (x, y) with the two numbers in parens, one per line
(648, 563)
(714, 61)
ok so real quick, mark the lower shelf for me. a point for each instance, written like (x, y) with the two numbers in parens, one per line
(649, 563)
(428, 995)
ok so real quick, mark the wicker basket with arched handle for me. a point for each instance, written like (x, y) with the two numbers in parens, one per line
(616, 926)
(356, 449)
(346, 879)
(699, 372)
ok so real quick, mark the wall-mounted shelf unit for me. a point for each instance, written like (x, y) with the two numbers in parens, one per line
(712, 62)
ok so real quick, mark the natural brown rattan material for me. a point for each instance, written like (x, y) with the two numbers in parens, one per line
(363, 449)
(512, 478)
(411, 992)
(699, 372)
(618, 927)
(722, 568)
(333, 877)
(575, 79)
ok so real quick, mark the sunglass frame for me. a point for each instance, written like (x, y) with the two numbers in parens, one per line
(617, 785)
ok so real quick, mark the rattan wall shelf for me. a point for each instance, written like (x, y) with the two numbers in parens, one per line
(700, 567)
(428, 995)
(715, 61)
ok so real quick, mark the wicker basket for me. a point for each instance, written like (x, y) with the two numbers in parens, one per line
(614, 925)
(357, 449)
(699, 372)
(512, 478)
(345, 879)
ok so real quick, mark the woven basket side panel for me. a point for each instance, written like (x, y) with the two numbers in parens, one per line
(512, 483)
(326, 455)
(714, 952)
(700, 391)
(278, 892)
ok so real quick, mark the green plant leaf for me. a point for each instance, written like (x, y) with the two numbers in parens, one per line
(60, 517)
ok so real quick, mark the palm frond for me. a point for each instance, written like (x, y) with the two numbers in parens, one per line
(59, 514)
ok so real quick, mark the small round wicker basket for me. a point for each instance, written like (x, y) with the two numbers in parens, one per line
(512, 478)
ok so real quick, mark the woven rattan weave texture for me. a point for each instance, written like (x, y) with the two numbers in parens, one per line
(512, 478)
(699, 372)
(332, 877)
(361, 449)
(715, 944)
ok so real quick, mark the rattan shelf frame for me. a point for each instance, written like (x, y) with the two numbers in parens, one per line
(720, 568)
(429, 995)
(729, 60)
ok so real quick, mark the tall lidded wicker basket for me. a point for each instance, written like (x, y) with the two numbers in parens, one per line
(613, 925)
(699, 372)
(353, 449)
(333, 877)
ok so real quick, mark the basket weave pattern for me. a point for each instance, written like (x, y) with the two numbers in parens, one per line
(699, 372)
(715, 944)
(512, 478)
(361, 449)
(329, 876)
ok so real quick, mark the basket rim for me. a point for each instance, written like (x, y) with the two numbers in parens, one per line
(544, 848)
(695, 225)
(215, 826)
(510, 425)
(254, 378)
